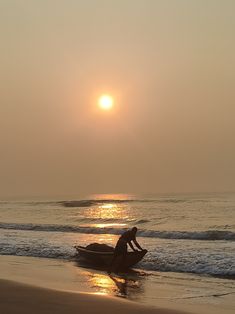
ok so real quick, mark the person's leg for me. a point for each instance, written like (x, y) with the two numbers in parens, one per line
(121, 262)
(112, 262)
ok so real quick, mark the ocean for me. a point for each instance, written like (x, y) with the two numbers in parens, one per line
(182, 233)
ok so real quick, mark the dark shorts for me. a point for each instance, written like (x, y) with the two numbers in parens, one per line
(121, 247)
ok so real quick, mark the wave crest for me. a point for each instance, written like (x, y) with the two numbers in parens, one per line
(184, 235)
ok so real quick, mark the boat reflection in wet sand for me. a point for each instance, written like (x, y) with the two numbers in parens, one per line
(102, 255)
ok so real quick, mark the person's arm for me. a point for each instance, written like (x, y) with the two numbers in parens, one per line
(137, 245)
(131, 245)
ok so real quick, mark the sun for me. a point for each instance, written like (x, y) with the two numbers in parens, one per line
(105, 102)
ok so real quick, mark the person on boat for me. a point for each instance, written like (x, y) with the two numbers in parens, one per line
(120, 250)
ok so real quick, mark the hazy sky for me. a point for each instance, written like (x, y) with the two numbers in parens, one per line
(170, 66)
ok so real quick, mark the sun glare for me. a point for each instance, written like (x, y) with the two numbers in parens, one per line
(105, 102)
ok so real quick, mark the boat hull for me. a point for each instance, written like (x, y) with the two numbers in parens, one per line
(105, 258)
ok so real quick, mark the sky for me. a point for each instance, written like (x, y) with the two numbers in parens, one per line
(169, 66)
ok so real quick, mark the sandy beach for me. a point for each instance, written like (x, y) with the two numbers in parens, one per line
(21, 298)
(32, 285)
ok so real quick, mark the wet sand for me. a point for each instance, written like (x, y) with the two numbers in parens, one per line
(32, 285)
(26, 299)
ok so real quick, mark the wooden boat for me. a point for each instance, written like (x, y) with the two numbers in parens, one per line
(105, 258)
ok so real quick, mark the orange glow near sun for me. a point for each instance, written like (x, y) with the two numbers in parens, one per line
(105, 102)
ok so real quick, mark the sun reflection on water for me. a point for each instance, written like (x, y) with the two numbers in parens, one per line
(103, 283)
(107, 206)
(113, 196)
(109, 211)
(115, 285)
(108, 225)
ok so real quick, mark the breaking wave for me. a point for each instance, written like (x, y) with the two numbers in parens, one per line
(93, 202)
(89, 203)
(209, 235)
(188, 261)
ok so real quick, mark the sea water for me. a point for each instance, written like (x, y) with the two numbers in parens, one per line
(182, 233)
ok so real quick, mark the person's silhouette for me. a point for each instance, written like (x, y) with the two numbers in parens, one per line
(120, 250)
